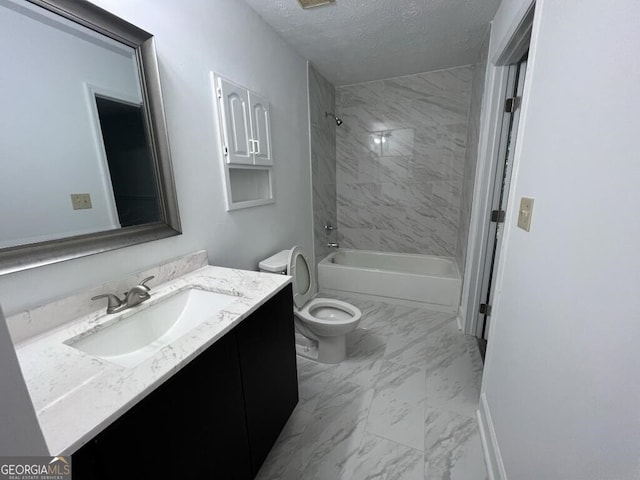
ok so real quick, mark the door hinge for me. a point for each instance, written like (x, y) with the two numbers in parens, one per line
(485, 309)
(219, 92)
(498, 216)
(511, 104)
(225, 150)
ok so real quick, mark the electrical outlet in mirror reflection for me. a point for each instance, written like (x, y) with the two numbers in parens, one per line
(81, 201)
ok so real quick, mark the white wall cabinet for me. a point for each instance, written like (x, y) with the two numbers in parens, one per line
(261, 130)
(245, 135)
(245, 124)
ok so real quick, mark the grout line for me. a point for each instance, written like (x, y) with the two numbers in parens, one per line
(372, 387)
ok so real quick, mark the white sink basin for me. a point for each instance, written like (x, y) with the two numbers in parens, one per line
(134, 339)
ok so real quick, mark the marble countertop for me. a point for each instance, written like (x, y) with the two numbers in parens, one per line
(76, 395)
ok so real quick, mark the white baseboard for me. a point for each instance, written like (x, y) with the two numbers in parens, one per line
(492, 456)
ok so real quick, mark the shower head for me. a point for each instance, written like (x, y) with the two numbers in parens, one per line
(337, 119)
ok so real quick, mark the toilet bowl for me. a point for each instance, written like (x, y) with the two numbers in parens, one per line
(325, 321)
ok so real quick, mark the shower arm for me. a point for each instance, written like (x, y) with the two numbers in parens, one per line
(335, 117)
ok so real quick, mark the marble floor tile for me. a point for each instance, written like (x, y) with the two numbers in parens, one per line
(397, 420)
(452, 447)
(404, 322)
(397, 410)
(278, 460)
(364, 359)
(454, 386)
(382, 459)
(407, 352)
(401, 406)
(313, 378)
(476, 358)
(406, 383)
(334, 433)
(445, 343)
(364, 345)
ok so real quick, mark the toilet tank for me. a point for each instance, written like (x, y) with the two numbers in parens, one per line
(275, 263)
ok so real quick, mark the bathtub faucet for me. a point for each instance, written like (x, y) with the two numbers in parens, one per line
(333, 245)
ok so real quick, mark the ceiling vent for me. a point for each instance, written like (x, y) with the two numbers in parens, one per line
(314, 3)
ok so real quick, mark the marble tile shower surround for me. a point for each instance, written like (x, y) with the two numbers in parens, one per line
(400, 162)
(37, 320)
(471, 154)
(400, 407)
(322, 99)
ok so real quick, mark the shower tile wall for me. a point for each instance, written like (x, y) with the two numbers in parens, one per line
(400, 162)
(471, 157)
(322, 98)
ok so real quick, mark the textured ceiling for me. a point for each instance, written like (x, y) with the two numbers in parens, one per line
(354, 41)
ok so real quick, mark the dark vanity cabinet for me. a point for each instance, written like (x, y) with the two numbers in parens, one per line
(266, 345)
(217, 417)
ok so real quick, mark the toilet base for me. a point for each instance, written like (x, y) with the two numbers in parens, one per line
(332, 349)
(306, 347)
(324, 349)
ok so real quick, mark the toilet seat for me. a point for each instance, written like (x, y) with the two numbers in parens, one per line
(325, 316)
(304, 284)
(328, 317)
(329, 311)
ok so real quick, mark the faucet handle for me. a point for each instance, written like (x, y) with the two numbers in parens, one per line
(114, 301)
(142, 283)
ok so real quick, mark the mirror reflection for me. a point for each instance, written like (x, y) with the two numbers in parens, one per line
(74, 141)
(129, 161)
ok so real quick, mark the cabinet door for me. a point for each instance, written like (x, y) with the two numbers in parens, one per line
(233, 102)
(192, 426)
(268, 362)
(261, 129)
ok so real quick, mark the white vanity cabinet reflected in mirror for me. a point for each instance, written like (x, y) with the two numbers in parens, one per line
(83, 143)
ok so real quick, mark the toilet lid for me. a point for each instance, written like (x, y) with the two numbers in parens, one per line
(303, 281)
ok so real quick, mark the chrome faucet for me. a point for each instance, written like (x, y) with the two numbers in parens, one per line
(133, 297)
(333, 245)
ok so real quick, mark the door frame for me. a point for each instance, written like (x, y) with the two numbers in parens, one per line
(91, 92)
(496, 85)
(508, 138)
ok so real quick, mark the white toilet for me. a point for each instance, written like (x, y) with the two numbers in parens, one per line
(321, 323)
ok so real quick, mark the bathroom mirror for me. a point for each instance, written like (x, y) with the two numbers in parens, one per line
(85, 158)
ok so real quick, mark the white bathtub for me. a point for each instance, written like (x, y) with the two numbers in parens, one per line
(415, 280)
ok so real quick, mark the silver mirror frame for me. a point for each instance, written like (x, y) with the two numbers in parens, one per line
(23, 257)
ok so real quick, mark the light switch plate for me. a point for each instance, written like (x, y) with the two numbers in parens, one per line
(81, 201)
(525, 212)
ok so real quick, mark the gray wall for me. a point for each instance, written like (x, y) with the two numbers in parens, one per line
(400, 162)
(322, 98)
(560, 383)
(471, 154)
(192, 39)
